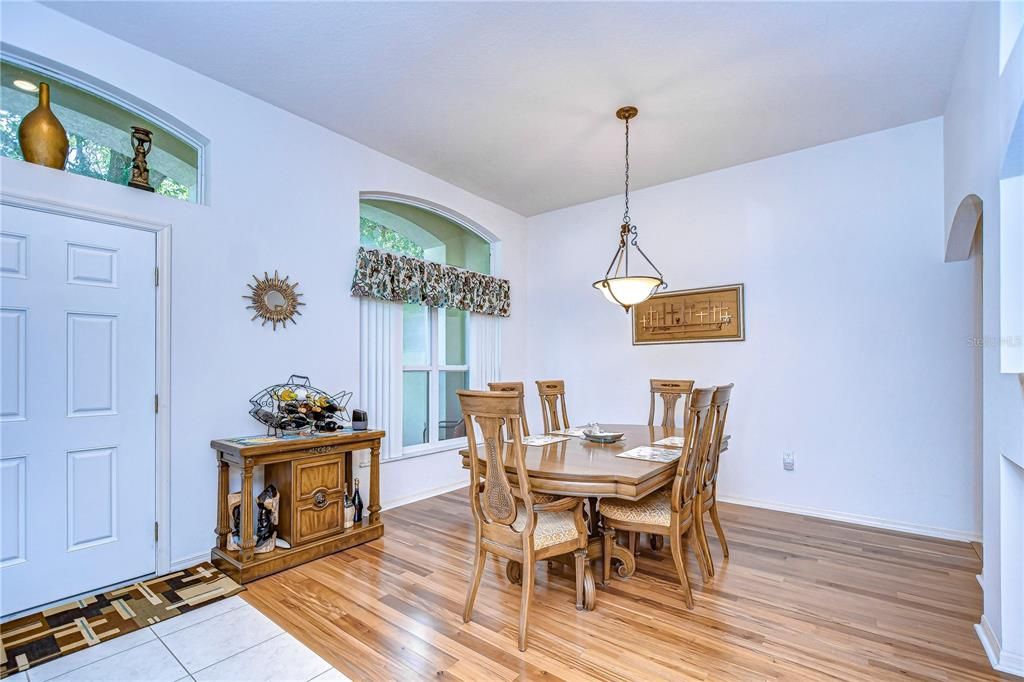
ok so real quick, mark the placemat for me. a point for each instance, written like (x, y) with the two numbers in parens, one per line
(650, 454)
(538, 441)
(575, 433)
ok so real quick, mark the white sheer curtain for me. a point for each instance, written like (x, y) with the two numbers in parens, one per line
(380, 364)
(380, 370)
(484, 350)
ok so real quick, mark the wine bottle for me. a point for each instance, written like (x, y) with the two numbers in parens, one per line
(357, 502)
(349, 511)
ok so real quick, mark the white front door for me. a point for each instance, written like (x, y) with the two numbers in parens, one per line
(77, 422)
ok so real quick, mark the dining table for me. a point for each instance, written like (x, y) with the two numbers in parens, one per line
(576, 467)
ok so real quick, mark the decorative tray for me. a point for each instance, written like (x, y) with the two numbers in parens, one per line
(595, 434)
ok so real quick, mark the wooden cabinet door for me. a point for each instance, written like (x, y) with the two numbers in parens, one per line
(312, 497)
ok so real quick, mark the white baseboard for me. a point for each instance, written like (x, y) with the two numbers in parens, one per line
(189, 561)
(1003, 661)
(424, 494)
(874, 522)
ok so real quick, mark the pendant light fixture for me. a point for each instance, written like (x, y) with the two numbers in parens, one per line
(618, 285)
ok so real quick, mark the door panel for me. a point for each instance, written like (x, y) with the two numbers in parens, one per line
(77, 426)
(12, 510)
(92, 364)
(92, 497)
(12, 365)
(92, 266)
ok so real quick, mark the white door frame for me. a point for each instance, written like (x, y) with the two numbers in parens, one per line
(162, 232)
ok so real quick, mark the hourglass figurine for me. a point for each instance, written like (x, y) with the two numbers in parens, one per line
(142, 142)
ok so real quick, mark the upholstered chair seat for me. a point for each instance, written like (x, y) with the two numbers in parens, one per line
(653, 510)
(552, 527)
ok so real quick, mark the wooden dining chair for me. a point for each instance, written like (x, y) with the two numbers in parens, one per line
(669, 511)
(513, 387)
(508, 520)
(707, 502)
(670, 391)
(552, 398)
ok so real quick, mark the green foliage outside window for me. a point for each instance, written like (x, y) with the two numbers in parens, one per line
(377, 236)
(89, 158)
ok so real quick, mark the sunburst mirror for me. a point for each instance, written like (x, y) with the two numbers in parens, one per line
(274, 299)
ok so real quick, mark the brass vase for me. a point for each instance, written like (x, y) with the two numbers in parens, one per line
(42, 138)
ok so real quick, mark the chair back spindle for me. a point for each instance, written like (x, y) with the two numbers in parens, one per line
(518, 388)
(719, 411)
(494, 503)
(670, 391)
(552, 404)
(697, 438)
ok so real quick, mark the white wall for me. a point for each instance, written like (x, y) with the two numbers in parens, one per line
(858, 354)
(975, 142)
(283, 194)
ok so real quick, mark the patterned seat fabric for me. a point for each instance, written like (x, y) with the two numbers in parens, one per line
(551, 529)
(654, 510)
(542, 498)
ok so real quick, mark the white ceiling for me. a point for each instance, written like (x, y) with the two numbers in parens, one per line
(515, 101)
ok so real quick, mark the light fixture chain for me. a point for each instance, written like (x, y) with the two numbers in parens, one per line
(625, 215)
(622, 287)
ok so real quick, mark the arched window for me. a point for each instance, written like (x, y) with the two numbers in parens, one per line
(416, 231)
(99, 132)
(435, 343)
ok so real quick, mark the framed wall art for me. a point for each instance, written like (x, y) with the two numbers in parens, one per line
(690, 316)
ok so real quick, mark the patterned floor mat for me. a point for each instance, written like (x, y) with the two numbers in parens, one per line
(44, 636)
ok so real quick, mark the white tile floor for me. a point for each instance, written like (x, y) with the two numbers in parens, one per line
(227, 640)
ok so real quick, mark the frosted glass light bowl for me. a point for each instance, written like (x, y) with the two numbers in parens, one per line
(628, 291)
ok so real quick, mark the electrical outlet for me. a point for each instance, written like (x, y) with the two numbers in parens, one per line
(788, 461)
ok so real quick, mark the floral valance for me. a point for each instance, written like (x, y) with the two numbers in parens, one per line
(389, 276)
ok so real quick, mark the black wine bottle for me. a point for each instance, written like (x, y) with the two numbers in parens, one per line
(357, 500)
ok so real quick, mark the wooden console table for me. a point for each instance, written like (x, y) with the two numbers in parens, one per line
(312, 474)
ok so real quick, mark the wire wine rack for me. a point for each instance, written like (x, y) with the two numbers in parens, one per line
(296, 406)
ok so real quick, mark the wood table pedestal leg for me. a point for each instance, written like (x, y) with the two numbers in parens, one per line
(627, 562)
(627, 565)
(223, 522)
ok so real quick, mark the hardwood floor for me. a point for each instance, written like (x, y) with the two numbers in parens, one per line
(800, 598)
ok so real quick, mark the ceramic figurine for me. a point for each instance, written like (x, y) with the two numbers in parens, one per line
(266, 523)
(235, 511)
(357, 502)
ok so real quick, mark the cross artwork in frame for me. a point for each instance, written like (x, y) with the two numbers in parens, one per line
(690, 316)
